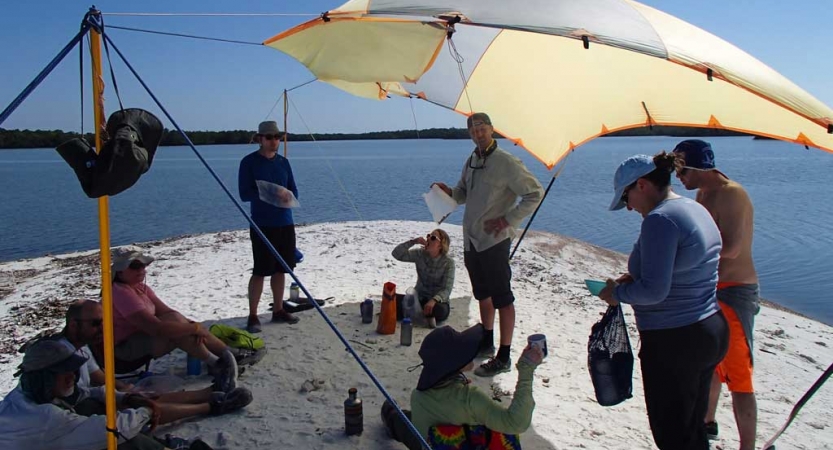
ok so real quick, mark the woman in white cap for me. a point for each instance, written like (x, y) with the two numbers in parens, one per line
(444, 396)
(671, 284)
(144, 325)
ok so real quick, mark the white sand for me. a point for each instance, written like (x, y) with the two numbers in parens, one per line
(205, 277)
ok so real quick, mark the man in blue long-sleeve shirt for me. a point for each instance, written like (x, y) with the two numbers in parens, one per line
(266, 165)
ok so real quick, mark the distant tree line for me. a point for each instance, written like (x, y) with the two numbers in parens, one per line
(52, 138)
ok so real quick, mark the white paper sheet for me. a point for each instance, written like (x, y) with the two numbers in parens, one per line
(439, 203)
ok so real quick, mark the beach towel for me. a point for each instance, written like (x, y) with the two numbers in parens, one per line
(610, 358)
(235, 337)
(467, 437)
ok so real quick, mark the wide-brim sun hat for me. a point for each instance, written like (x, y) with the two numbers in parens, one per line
(629, 171)
(445, 351)
(122, 259)
(52, 355)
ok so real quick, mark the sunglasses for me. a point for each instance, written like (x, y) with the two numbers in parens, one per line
(432, 237)
(94, 322)
(137, 265)
(624, 196)
(270, 137)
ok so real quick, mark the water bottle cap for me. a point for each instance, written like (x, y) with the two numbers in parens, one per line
(293, 285)
(367, 300)
(406, 320)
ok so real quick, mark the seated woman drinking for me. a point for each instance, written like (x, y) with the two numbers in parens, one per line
(145, 326)
(444, 396)
(435, 274)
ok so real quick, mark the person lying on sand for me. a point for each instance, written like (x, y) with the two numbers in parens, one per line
(145, 326)
(49, 410)
(435, 274)
(444, 396)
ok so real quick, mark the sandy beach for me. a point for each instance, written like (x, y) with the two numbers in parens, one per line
(205, 278)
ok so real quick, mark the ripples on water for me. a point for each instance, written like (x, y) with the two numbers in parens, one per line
(43, 209)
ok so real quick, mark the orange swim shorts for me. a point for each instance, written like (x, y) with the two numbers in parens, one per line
(736, 368)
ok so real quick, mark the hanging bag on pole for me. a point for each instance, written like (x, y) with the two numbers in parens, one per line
(610, 359)
(387, 318)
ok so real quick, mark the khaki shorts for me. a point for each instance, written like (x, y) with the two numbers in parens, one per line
(137, 346)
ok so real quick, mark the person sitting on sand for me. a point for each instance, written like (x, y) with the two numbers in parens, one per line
(435, 274)
(145, 326)
(84, 320)
(444, 396)
(48, 410)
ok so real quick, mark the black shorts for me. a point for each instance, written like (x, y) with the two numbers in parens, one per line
(283, 239)
(490, 273)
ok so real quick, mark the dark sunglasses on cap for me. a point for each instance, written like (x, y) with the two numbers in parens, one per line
(137, 265)
(270, 137)
(432, 237)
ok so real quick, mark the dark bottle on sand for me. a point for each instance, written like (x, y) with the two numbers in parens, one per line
(353, 417)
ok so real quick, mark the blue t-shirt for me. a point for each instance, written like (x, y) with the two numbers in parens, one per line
(255, 166)
(674, 266)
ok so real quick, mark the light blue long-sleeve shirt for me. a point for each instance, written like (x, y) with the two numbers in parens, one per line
(674, 267)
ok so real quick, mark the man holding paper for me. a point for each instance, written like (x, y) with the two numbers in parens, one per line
(265, 180)
(491, 183)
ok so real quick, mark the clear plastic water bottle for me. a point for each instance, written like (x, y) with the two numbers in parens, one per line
(353, 415)
(294, 292)
(409, 303)
(406, 332)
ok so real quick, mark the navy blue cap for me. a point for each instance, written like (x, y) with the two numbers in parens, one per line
(698, 154)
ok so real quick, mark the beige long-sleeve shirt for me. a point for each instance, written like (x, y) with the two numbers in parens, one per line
(490, 188)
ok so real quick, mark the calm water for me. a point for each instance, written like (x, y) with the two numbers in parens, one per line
(43, 210)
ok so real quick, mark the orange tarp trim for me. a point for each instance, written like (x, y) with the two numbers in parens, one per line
(604, 129)
(713, 122)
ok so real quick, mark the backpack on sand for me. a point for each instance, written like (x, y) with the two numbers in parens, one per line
(235, 337)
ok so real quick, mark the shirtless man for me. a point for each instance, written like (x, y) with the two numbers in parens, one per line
(737, 287)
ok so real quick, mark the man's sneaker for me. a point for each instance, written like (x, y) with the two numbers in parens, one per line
(487, 350)
(283, 316)
(253, 325)
(248, 357)
(493, 367)
(225, 378)
(222, 402)
(711, 430)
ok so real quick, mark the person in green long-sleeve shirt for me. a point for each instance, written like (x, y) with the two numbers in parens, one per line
(444, 396)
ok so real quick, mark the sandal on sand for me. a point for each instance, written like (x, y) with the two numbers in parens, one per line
(283, 316)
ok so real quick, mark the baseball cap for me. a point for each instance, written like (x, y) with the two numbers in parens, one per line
(483, 117)
(52, 355)
(123, 257)
(629, 171)
(698, 155)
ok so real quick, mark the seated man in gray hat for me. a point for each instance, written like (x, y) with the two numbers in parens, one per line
(42, 412)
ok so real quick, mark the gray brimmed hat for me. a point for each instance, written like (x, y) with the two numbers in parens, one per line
(123, 257)
(52, 355)
(445, 351)
(268, 127)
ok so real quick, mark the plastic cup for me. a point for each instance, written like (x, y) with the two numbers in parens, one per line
(540, 341)
(595, 286)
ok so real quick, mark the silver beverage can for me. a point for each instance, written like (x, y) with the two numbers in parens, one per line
(540, 341)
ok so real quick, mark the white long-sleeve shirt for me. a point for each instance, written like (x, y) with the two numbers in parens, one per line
(26, 425)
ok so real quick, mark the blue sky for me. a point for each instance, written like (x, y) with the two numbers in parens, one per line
(214, 86)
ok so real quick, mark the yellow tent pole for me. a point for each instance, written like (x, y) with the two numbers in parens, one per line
(104, 245)
(285, 131)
